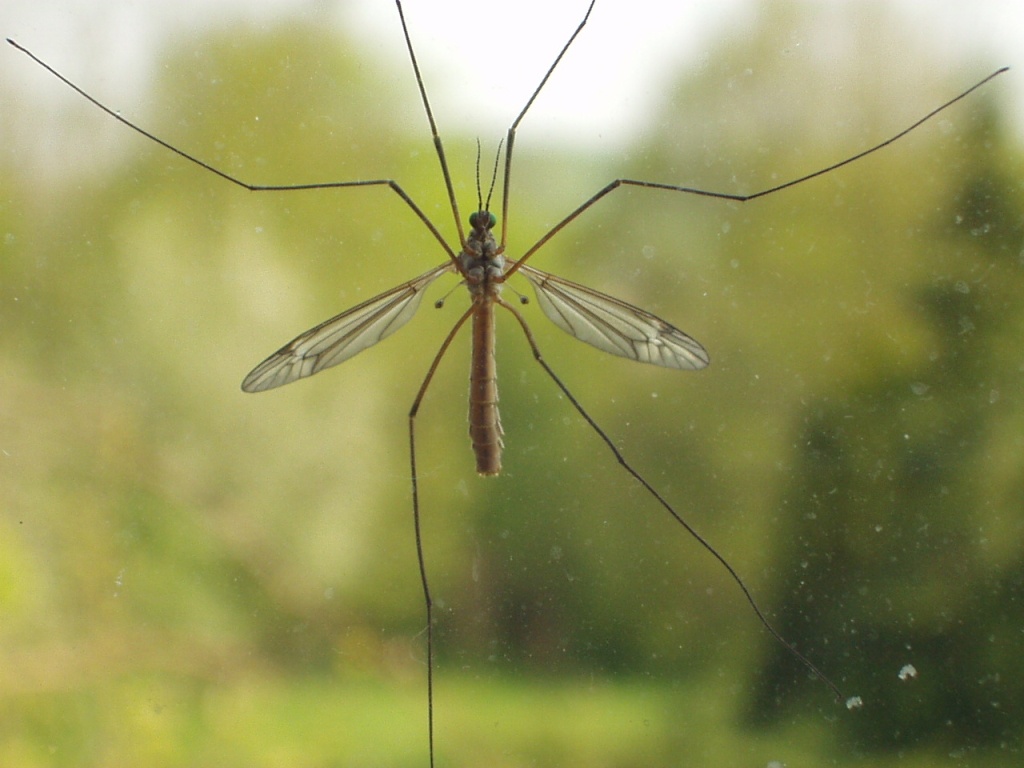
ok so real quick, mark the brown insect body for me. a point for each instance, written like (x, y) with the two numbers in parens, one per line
(483, 265)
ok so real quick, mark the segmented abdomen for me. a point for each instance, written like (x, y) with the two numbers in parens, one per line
(484, 421)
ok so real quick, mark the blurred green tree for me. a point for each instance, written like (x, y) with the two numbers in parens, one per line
(906, 500)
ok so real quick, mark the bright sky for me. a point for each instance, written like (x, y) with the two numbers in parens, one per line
(482, 58)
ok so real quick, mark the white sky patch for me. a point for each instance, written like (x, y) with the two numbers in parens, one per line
(481, 59)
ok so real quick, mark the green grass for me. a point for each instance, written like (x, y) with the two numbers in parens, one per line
(265, 722)
(259, 719)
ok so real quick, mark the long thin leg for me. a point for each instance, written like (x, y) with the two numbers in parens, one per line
(427, 601)
(433, 128)
(612, 186)
(664, 503)
(511, 137)
(390, 183)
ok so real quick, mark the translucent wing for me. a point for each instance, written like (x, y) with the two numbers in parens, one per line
(341, 337)
(612, 325)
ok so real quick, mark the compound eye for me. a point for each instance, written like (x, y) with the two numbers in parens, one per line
(477, 220)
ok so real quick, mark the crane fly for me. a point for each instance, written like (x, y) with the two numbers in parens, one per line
(610, 324)
(595, 318)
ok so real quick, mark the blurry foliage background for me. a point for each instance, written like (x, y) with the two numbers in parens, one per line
(193, 576)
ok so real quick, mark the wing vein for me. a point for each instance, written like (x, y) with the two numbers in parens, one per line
(613, 325)
(342, 336)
